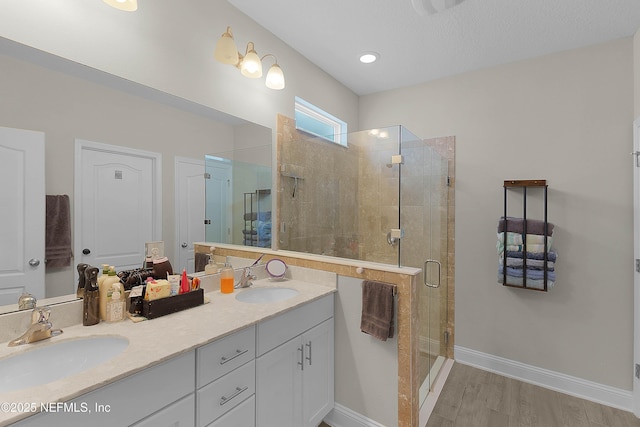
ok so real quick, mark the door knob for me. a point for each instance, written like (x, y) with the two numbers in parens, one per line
(34, 262)
(86, 251)
(184, 244)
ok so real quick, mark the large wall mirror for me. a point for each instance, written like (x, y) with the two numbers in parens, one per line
(67, 101)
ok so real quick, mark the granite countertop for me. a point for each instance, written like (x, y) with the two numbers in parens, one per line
(154, 341)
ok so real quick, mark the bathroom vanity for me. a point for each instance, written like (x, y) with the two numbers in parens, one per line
(227, 363)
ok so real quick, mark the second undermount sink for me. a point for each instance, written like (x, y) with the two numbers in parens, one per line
(264, 295)
(56, 361)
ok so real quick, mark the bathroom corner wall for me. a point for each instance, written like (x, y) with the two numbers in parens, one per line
(565, 118)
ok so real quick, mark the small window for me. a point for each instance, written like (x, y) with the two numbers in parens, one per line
(317, 122)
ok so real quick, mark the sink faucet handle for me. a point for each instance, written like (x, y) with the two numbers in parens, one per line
(40, 315)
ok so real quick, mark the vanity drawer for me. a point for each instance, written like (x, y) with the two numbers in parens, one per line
(222, 356)
(280, 329)
(222, 395)
(243, 415)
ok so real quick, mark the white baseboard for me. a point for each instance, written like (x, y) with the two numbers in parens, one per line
(610, 396)
(341, 416)
(429, 345)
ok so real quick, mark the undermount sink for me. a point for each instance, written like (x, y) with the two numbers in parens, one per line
(56, 361)
(262, 295)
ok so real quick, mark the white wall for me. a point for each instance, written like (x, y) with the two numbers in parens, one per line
(168, 45)
(366, 377)
(565, 118)
(636, 73)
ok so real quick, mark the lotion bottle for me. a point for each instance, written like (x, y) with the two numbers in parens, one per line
(105, 287)
(226, 278)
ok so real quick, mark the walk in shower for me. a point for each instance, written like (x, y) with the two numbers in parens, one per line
(381, 196)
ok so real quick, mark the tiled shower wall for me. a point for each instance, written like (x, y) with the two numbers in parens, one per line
(318, 213)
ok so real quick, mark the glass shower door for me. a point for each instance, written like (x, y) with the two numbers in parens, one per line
(423, 217)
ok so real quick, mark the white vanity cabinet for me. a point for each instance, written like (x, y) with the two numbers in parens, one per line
(295, 367)
(130, 400)
(276, 373)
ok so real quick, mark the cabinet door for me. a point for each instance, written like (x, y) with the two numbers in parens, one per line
(279, 386)
(317, 391)
(178, 414)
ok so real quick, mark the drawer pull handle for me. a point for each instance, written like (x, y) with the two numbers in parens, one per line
(225, 359)
(239, 390)
(309, 356)
(301, 362)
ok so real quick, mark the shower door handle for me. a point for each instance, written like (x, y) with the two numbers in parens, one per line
(426, 266)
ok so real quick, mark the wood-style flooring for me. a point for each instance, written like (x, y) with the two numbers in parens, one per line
(472, 397)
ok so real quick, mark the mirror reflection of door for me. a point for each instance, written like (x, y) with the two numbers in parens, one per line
(218, 199)
(117, 204)
(190, 212)
(22, 217)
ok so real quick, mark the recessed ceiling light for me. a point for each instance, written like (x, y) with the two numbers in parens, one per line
(369, 57)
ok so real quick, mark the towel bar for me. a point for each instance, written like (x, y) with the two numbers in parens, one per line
(394, 292)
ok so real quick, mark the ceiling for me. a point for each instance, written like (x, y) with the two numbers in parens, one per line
(416, 48)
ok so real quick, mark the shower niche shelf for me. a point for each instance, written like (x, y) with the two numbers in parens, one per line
(543, 230)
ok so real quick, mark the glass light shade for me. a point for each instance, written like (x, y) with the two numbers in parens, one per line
(126, 5)
(251, 65)
(226, 50)
(275, 78)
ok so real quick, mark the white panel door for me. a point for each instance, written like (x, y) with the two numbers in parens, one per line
(218, 200)
(118, 204)
(279, 386)
(22, 220)
(190, 188)
(318, 375)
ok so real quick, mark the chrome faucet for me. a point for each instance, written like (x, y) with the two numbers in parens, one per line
(39, 330)
(245, 278)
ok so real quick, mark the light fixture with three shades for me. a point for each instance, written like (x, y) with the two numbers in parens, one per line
(126, 5)
(249, 64)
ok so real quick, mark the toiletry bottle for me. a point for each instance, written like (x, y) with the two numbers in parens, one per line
(81, 268)
(104, 274)
(91, 301)
(185, 286)
(105, 287)
(115, 304)
(211, 267)
(226, 278)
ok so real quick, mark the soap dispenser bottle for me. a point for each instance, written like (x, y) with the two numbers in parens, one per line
(226, 278)
(211, 267)
(115, 304)
(91, 301)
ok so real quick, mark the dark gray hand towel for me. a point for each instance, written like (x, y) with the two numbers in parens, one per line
(377, 309)
(201, 261)
(57, 247)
